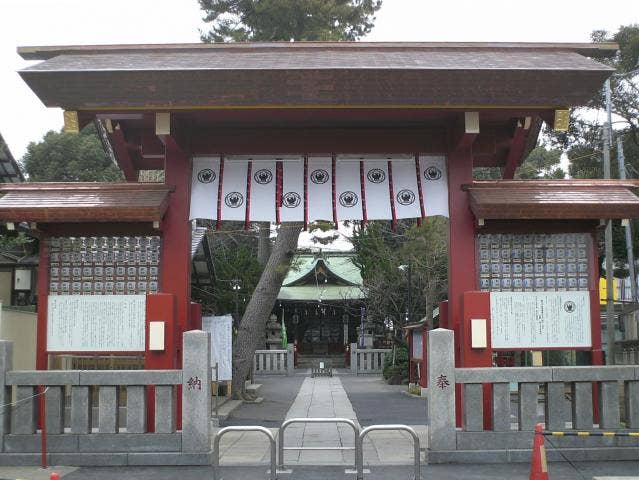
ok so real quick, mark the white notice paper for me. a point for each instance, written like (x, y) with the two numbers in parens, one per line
(532, 320)
(96, 323)
(221, 330)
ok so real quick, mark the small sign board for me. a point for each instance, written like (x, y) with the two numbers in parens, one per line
(540, 320)
(221, 330)
(418, 345)
(96, 323)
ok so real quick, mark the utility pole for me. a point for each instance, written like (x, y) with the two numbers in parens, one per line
(621, 160)
(610, 314)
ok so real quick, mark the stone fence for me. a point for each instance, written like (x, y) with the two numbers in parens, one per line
(274, 362)
(72, 435)
(568, 399)
(368, 360)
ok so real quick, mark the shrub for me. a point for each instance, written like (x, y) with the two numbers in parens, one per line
(397, 373)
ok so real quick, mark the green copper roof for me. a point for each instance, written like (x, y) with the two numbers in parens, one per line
(339, 265)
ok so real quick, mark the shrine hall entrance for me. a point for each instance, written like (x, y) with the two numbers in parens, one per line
(321, 303)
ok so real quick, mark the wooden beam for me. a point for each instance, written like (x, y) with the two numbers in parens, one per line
(163, 123)
(144, 163)
(123, 156)
(151, 146)
(517, 147)
(319, 141)
(466, 132)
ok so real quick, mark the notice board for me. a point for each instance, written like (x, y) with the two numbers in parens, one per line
(418, 344)
(96, 323)
(538, 320)
(221, 330)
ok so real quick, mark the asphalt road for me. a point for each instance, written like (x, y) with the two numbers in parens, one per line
(513, 471)
(278, 392)
(376, 402)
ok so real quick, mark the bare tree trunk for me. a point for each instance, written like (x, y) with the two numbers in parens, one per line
(263, 242)
(261, 304)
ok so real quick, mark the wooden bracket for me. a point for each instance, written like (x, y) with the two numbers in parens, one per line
(517, 147)
(123, 155)
(466, 131)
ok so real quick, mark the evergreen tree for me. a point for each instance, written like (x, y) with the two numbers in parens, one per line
(69, 157)
(284, 20)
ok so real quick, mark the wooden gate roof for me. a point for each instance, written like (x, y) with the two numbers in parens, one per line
(301, 74)
(554, 200)
(83, 202)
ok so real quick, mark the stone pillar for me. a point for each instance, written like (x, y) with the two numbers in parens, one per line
(632, 404)
(165, 409)
(441, 391)
(81, 418)
(25, 410)
(196, 392)
(54, 401)
(6, 365)
(353, 358)
(108, 408)
(290, 359)
(136, 409)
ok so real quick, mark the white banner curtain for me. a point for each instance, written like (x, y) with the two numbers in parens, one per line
(370, 187)
(262, 204)
(292, 209)
(204, 187)
(319, 183)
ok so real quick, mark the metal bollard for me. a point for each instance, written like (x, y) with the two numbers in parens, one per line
(225, 430)
(360, 459)
(346, 421)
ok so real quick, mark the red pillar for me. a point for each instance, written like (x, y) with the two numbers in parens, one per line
(176, 240)
(160, 307)
(423, 381)
(461, 255)
(595, 314)
(477, 305)
(43, 294)
(411, 358)
(196, 316)
(176, 245)
(595, 321)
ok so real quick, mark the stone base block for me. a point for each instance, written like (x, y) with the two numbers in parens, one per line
(524, 455)
(107, 459)
(170, 458)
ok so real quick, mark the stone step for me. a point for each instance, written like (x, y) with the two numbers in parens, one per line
(225, 409)
(254, 388)
(336, 361)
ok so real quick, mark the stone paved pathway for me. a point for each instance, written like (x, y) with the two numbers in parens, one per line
(322, 397)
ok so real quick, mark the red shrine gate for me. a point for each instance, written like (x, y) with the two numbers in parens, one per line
(300, 131)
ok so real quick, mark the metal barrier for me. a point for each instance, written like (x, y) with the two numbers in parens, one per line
(220, 433)
(360, 460)
(347, 421)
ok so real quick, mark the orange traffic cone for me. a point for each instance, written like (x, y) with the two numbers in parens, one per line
(538, 465)
(54, 476)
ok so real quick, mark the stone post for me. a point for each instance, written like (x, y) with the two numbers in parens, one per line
(290, 360)
(6, 365)
(196, 392)
(353, 358)
(441, 391)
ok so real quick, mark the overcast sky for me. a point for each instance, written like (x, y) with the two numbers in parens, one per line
(64, 22)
